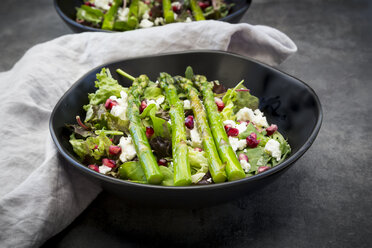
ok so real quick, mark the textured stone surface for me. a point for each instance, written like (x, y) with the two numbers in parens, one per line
(322, 201)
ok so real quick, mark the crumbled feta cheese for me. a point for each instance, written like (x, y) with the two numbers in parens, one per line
(160, 100)
(177, 4)
(195, 137)
(245, 165)
(128, 151)
(170, 122)
(102, 4)
(246, 114)
(186, 104)
(120, 110)
(209, 180)
(175, 16)
(145, 23)
(146, 15)
(104, 169)
(241, 127)
(237, 144)
(273, 148)
(123, 14)
(197, 177)
(188, 19)
(159, 21)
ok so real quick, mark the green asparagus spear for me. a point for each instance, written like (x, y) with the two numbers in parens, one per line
(234, 170)
(141, 143)
(109, 17)
(181, 166)
(196, 10)
(216, 168)
(167, 11)
(133, 14)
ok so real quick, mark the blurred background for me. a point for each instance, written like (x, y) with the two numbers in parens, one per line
(322, 201)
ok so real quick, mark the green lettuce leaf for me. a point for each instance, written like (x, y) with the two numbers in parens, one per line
(95, 147)
(152, 92)
(198, 164)
(132, 171)
(228, 99)
(89, 14)
(284, 147)
(168, 176)
(245, 99)
(107, 86)
(228, 112)
(257, 157)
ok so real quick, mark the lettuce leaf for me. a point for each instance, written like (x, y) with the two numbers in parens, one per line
(89, 14)
(198, 164)
(168, 176)
(95, 147)
(152, 92)
(107, 86)
(132, 171)
(284, 147)
(245, 99)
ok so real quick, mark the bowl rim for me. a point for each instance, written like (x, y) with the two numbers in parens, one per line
(286, 163)
(87, 28)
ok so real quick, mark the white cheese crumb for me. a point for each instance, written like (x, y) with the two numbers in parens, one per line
(146, 15)
(175, 16)
(102, 4)
(160, 100)
(159, 21)
(237, 144)
(209, 180)
(123, 14)
(186, 104)
(120, 110)
(229, 122)
(241, 127)
(195, 137)
(246, 114)
(188, 19)
(245, 165)
(197, 177)
(273, 148)
(104, 169)
(145, 23)
(128, 151)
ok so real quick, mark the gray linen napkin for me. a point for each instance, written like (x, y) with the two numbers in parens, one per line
(40, 194)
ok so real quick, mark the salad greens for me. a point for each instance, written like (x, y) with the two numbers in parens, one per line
(176, 131)
(127, 15)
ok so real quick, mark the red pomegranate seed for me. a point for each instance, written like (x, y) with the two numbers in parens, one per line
(93, 167)
(95, 147)
(220, 104)
(198, 149)
(233, 132)
(114, 150)
(149, 132)
(270, 130)
(252, 141)
(203, 5)
(108, 162)
(189, 122)
(110, 4)
(143, 106)
(227, 127)
(162, 162)
(110, 103)
(175, 8)
(242, 156)
(262, 169)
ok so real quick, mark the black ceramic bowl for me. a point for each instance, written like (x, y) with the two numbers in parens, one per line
(66, 10)
(285, 100)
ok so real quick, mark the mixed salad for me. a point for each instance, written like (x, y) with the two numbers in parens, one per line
(176, 131)
(123, 15)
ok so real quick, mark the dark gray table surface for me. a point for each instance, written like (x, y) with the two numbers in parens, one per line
(322, 201)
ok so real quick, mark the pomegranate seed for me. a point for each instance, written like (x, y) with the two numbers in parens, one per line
(203, 5)
(232, 132)
(110, 103)
(93, 167)
(189, 122)
(242, 156)
(95, 147)
(114, 150)
(109, 162)
(270, 130)
(175, 8)
(110, 4)
(198, 149)
(143, 106)
(227, 127)
(149, 132)
(243, 90)
(252, 141)
(262, 169)
(219, 103)
(162, 162)
(150, 13)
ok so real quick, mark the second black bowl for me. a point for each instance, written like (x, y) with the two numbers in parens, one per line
(66, 9)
